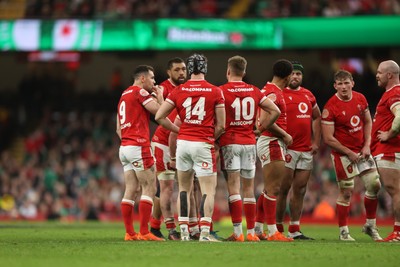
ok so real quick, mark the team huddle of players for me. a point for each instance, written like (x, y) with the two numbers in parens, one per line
(281, 125)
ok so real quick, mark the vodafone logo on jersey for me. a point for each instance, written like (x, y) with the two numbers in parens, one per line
(65, 34)
(303, 108)
(354, 121)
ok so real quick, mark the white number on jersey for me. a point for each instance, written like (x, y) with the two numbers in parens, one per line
(122, 112)
(198, 109)
(244, 108)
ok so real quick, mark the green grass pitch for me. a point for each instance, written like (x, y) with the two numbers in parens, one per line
(101, 244)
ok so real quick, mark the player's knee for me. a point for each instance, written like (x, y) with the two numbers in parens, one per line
(346, 189)
(346, 185)
(248, 174)
(372, 183)
(299, 191)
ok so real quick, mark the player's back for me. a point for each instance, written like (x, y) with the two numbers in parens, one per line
(241, 103)
(274, 93)
(133, 117)
(195, 102)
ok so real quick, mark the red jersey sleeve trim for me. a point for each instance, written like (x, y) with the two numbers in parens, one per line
(170, 101)
(147, 101)
(394, 104)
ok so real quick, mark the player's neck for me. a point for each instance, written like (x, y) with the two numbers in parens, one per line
(280, 83)
(293, 89)
(138, 84)
(390, 85)
(345, 98)
(199, 76)
(172, 82)
(235, 79)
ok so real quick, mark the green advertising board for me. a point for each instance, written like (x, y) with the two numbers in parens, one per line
(363, 31)
(217, 34)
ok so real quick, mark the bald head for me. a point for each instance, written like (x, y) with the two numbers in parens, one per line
(387, 74)
(390, 66)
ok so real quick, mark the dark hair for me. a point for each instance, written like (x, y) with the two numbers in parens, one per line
(196, 64)
(342, 75)
(142, 69)
(175, 60)
(298, 66)
(237, 65)
(282, 68)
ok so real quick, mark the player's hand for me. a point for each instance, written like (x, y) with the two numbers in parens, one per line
(158, 91)
(314, 149)
(257, 133)
(288, 139)
(383, 136)
(172, 165)
(353, 157)
(365, 152)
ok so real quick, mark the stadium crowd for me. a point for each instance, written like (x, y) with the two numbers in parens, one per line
(135, 9)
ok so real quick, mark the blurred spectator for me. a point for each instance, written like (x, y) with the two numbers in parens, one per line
(137, 9)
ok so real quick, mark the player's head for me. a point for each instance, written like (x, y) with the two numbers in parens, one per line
(144, 77)
(236, 66)
(176, 69)
(196, 64)
(282, 69)
(342, 75)
(343, 84)
(387, 74)
(296, 78)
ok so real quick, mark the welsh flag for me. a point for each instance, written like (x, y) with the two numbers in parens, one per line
(77, 35)
(65, 34)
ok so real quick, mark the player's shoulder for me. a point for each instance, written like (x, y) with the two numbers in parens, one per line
(358, 94)
(306, 91)
(394, 91)
(332, 101)
(359, 97)
(131, 91)
(167, 86)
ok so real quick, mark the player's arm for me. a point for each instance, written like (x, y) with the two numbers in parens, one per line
(328, 131)
(280, 133)
(316, 129)
(219, 120)
(270, 115)
(366, 150)
(158, 94)
(395, 129)
(161, 117)
(273, 128)
(172, 143)
(118, 128)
